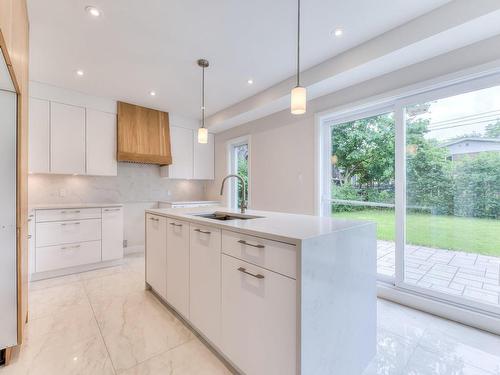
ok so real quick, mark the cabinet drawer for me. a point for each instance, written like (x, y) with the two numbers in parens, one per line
(68, 214)
(259, 327)
(61, 232)
(272, 255)
(63, 256)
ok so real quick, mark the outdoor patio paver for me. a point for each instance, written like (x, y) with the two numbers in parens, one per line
(472, 276)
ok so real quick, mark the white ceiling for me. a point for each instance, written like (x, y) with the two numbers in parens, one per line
(138, 46)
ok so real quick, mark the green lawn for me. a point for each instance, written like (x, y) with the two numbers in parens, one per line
(444, 232)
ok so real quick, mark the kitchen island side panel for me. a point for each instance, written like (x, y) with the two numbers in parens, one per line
(338, 302)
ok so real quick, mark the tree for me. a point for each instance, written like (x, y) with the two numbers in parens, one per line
(477, 186)
(365, 149)
(493, 130)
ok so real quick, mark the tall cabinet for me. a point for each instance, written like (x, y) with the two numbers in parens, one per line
(70, 139)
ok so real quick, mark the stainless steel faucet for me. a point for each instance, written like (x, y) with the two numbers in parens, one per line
(243, 201)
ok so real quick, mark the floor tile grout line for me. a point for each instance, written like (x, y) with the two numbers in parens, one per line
(99, 328)
(158, 354)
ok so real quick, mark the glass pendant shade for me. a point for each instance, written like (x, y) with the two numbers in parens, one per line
(298, 100)
(203, 135)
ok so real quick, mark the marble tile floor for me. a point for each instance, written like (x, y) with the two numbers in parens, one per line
(104, 322)
(472, 276)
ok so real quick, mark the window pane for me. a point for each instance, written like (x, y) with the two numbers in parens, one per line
(453, 196)
(362, 179)
(241, 169)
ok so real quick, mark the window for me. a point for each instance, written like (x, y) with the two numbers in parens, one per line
(238, 157)
(362, 179)
(426, 169)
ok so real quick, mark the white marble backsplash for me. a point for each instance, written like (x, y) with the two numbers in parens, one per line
(134, 183)
(138, 187)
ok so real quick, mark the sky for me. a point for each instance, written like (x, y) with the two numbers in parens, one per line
(463, 114)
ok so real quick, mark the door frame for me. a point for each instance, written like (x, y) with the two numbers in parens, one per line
(458, 83)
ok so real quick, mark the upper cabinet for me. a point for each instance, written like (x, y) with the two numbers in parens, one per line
(143, 135)
(204, 159)
(101, 143)
(182, 154)
(39, 133)
(190, 159)
(67, 139)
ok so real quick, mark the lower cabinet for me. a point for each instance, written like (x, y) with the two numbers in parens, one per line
(178, 266)
(69, 255)
(112, 233)
(205, 281)
(259, 318)
(156, 253)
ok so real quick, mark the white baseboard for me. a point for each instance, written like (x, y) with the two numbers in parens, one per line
(71, 270)
(133, 249)
(445, 310)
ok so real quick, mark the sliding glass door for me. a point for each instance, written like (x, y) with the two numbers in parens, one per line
(426, 170)
(452, 197)
(361, 178)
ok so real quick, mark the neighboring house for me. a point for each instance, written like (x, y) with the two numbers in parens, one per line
(471, 146)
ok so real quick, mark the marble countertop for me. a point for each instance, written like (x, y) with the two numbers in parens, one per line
(56, 206)
(291, 228)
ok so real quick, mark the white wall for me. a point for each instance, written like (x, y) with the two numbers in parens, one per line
(282, 146)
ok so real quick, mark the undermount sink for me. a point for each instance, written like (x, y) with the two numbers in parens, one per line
(223, 216)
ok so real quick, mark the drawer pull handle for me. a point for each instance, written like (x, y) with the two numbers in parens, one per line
(154, 219)
(71, 223)
(111, 209)
(70, 247)
(257, 276)
(202, 231)
(176, 225)
(74, 211)
(243, 242)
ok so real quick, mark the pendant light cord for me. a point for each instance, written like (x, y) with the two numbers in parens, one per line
(203, 97)
(298, 43)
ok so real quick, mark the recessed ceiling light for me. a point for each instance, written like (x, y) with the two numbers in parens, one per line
(250, 81)
(337, 32)
(152, 93)
(79, 72)
(93, 11)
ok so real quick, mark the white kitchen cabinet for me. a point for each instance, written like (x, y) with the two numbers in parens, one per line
(112, 233)
(178, 265)
(39, 132)
(73, 239)
(203, 168)
(156, 253)
(181, 142)
(205, 279)
(259, 318)
(69, 255)
(67, 139)
(101, 143)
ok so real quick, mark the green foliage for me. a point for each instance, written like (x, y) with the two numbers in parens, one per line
(365, 148)
(493, 130)
(477, 186)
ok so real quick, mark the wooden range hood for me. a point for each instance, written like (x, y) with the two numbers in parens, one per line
(143, 135)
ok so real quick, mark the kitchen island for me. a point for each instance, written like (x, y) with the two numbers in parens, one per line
(272, 293)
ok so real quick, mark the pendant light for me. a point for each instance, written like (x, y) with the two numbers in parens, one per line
(299, 96)
(202, 131)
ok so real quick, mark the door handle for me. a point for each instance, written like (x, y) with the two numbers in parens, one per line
(243, 242)
(257, 276)
(112, 209)
(202, 231)
(71, 223)
(154, 219)
(176, 225)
